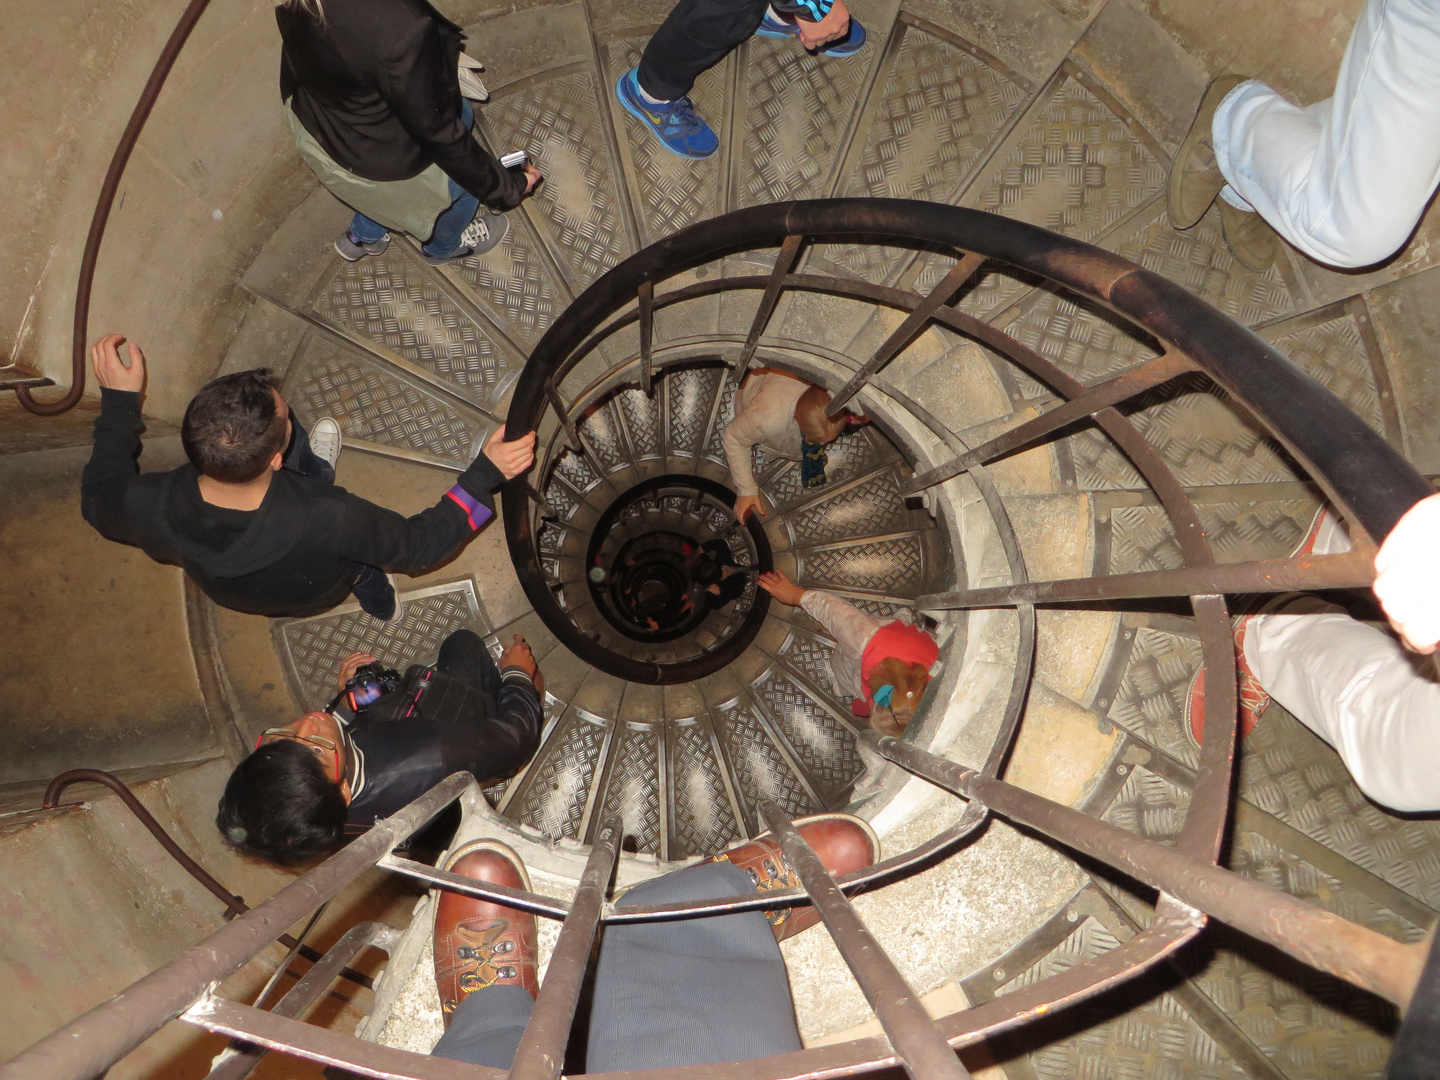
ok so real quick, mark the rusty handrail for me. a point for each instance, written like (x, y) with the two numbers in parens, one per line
(234, 905)
(103, 205)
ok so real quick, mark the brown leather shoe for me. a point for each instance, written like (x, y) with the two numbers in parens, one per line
(479, 943)
(1195, 179)
(1253, 243)
(844, 843)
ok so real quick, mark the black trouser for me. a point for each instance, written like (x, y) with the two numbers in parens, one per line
(694, 37)
(463, 656)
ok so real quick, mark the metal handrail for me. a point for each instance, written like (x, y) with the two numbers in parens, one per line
(109, 188)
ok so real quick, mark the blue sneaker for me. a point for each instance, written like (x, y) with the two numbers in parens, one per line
(849, 45)
(675, 123)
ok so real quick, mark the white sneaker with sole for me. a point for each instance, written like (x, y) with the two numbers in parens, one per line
(325, 440)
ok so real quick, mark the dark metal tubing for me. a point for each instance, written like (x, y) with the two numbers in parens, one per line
(923, 1051)
(308, 990)
(541, 1055)
(234, 905)
(960, 273)
(646, 314)
(103, 204)
(784, 263)
(572, 433)
(1312, 935)
(1140, 378)
(92, 1042)
(1349, 570)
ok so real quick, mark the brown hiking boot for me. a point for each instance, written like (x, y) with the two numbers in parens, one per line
(1253, 243)
(844, 843)
(1195, 179)
(479, 943)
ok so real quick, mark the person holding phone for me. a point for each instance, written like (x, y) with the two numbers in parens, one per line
(372, 97)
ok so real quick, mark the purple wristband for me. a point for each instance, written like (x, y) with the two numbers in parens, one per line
(475, 511)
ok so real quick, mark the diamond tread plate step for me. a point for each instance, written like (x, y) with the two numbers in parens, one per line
(312, 649)
(379, 405)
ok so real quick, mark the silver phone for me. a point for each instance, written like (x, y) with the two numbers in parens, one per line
(514, 159)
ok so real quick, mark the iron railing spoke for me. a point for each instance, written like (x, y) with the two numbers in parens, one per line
(784, 263)
(304, 993)
(921, 1048)
(542, 1048)
(1350, 570)
(572, 433)
(646, 298)
(1310, 934)
(96, 1039)
(484, 890)
(1137, 380)
(960, 273)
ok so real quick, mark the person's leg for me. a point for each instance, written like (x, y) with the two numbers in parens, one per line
(365, 231)
(376, 594)
(451, 223)
(694, 37)
(1344, 180)
(1359, 690)
(485, 963)
(463, 656)
(302, 459)
(702, 991)
(486, 1027)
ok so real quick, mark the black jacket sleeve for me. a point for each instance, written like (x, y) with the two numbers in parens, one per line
(417, 77)
(513, 734)
(113, 465)
(379, 537)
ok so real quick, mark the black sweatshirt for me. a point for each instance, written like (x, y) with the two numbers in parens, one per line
(298, 554)
(375, 82)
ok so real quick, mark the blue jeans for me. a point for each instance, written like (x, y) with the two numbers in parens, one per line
(448, 226)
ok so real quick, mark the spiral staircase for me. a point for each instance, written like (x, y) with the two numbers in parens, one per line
(683, 739)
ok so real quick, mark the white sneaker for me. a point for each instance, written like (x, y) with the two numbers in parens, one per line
(325, 440)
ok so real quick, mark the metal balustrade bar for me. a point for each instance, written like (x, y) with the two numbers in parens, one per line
(1137, 380)
(960, 273)
(784, 263)
(921, 1048)
(1348, 570)
(645, 297)
(541, 1055)
(1312, 935)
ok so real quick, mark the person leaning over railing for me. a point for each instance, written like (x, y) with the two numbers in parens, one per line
(255, 519)
(381, 743)
(372, 97)
(786, 415)
(884, 667)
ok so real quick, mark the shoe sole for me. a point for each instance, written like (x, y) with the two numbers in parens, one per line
(622, 97)
(499, 848)
(1198, 131)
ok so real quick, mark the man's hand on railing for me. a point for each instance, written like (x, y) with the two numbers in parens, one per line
(111, 371)
(1407, 576)
(511, 458)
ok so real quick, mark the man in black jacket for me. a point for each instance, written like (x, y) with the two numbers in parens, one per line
(373, 100)
(380, 745)
(255, 535)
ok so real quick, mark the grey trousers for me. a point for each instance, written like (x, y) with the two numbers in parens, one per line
(685, 992)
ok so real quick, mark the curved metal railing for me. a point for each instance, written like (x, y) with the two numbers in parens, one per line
(1366, 480)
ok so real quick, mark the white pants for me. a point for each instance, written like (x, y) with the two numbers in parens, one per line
(1344, 180)
(1359, 690)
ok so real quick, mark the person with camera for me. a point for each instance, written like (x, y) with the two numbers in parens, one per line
(381, 743)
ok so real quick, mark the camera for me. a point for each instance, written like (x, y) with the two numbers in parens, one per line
(370, 683)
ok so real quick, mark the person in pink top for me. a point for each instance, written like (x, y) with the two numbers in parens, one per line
(884, 667)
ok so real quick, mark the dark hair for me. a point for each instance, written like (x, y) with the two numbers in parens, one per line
(232, 428)
(279, 805)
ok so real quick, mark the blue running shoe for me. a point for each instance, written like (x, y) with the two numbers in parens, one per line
(675, 123)
(849, 45)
